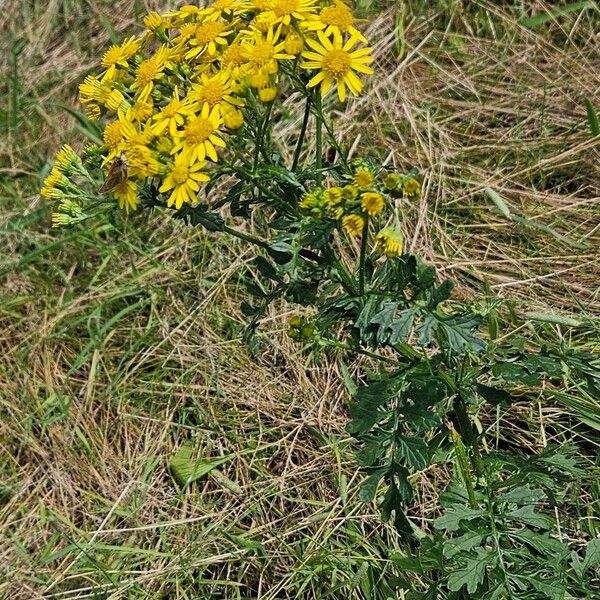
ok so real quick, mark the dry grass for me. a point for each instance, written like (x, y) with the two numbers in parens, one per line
(120, 343)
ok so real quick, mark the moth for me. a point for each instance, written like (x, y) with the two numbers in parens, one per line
(117, 173)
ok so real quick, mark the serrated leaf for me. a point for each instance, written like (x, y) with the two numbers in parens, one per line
(542, 542)
(592, 554)
(365, 411)
(471, 575)
(401, 327)
(450, 520)
(383, 320)
(522, 495)
(552, 589)
(529, 516)
(459, 331)
(463, 543)
(413, 450)
(368, 489)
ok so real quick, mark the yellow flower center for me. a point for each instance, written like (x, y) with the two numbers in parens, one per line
(339, 16)
(180, 173)
(198, 131)
(262, 52)
(112, 134)
(337, 62)
(212, 92)
(283, 8)
(232, 57)
(147, 72)
(207, 32)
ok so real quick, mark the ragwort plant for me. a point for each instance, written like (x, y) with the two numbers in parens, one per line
(187, 109)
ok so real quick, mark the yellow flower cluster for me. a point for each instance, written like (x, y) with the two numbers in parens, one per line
(363, 198)
(173, 94)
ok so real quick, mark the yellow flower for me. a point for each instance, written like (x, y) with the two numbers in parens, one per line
(263, 52)
(353, 224)
(389, 242)
(412, 188)
(116, 101)
(125, 193)
(293, 43)
(337, 64)
(140, 111)
(149, 71)
(364, 179)
(141, 161)
(66, 159)
(117, 56)
(213, 90)
(53, 181)
(371, 203)
(172, 115)
(155, 22)
(113, 135)
(232, 59)
(335, 195)
(267, 94)
(199, 137)
(183, 178)
(206, 37)
(300, 10)
(391, 181)
(232, 118)
(335, 20)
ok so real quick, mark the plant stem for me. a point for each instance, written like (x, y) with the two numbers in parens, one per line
(363, 256)
(319, 136)
(246, 237)
(300, 142)
(466, 429)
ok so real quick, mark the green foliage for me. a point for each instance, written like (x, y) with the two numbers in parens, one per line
(508, 544)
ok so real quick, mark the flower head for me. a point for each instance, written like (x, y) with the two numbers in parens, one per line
(372, 203)
(353, 224)
(183, 179)
(389, 242)
(199, 137)
(337, 63)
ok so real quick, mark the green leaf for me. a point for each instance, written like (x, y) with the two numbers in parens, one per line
(522, 495)
(592, 554)
(552, 588)
(550, 15)
(365, 412)
(413, 450)
(368, 489)
(463, 543)
(529, 516)
(401, 327)
(383, 321)
(450, 520)
(592, 118)
(186, 469)
(442, 292)
(471, 574)
(542, 542)
(495, 396)
(459, 332)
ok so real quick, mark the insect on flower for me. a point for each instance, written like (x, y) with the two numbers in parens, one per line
(117, 173)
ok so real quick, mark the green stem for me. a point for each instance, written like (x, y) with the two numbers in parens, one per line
(300, 142)
(332, 259)
(363, 257)
(468, 434)
(246, 237)
(319, 136)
